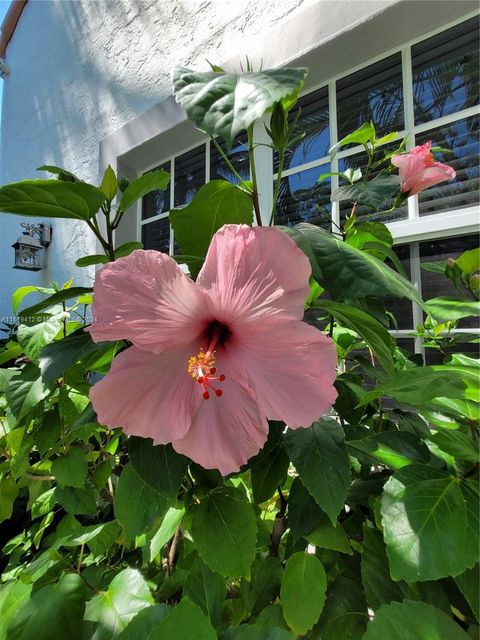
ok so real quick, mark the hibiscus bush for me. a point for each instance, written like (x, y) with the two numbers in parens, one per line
(229, 443)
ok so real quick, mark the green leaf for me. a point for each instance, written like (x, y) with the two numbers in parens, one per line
(469, 261)
(87, 261)
(303, 511)
(328, 536)
(457, 444)
(468, 584)
(159, 466)
(395, 449)
(13, 595)
(224, 104)
(109, 184)
(264, 586)
(11, 351)
(54, 611)
(76, 501)
(144, 623)
(270, 473)
(127, 248)
(224, 531)
(63, 174)
(51, 199)
(304, 584)
(185, 620)
(127, 594)
(345, 614)
(25, 392)
(169, 525)
(206, 589)
(345, 271)
(8, 495)
(321, 460)
(362, 135)
(135, 516)
(376, 193)
(359, 236)
(257, 632)
(98, 537)
(374, 333)
(59, 296)
(71, 469)
(33, 339)
(447, 309)
(216, 203)
(427, 526)
(151, 181)
(411, 619)
(19, 294)
(419, 385)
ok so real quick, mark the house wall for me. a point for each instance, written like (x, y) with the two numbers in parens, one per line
(82, 72)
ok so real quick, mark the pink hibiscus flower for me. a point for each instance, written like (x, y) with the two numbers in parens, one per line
(419, 170)
(211, 361)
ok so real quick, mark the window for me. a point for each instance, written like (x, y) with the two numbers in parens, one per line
(426, 90)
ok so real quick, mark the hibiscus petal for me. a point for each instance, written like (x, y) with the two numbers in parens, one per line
(147, 299)
(430, 176)
(292, 368)
(148, 395)
(229, 430)
(254, 273)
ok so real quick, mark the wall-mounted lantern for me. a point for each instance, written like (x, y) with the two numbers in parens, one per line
(28, 248)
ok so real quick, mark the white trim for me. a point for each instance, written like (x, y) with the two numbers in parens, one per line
(436, 225)
(416, 279)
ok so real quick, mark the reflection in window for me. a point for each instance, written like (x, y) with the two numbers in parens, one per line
(189, 175)
(363, 212)
(461, 138)
(156, 202)
(445, 72)
(374, 93)
(303, 199)
(238, 156)
(436, 284)
(156, 235)
(400, 308)
(314, 122)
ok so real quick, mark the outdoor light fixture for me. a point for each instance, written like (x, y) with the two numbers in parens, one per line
(28, 248)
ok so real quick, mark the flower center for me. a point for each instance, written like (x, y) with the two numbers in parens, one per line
(202, 367)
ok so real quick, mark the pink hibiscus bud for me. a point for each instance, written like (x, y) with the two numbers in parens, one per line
(419, 170)
(212, 361)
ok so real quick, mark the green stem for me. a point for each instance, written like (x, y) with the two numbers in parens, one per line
(253, 171)
(92, 224)
(281, 160)
(227, 162)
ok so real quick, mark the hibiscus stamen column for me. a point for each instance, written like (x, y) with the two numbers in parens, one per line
(202, 367)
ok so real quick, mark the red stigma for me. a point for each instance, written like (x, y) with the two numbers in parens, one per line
(206, 395)
(218, 392)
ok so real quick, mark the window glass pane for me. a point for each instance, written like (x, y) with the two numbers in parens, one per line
(374, 93)
(156, 202)
(471, 349)
(401, 308)
(303, 199)
(436, 284)
(360, 161)
(314, 122)
(445, 72)
(189, 175)
(238, 156)
(156, 235)
(462, 139)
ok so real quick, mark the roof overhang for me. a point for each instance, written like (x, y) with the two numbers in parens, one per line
(9, 24)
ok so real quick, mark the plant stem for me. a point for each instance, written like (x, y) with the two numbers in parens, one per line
(253, 171)
(227, 161)
(281, 160)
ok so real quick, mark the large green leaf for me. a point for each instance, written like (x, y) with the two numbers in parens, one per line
(207, 589)
(19, 294)
(51, 199)
(420, 385)
(468, 584)
(396, 449)
(151, 181)
(264, 586)
(127, 594)
(144, 623)
(428, 524)
(374, 333)
(33, 339)
(374, 193)
(457, 444)
(224, 104)
(217, 203)
(345, 614)
(224, 531)
(54, 611)
(166, 530)
(303, 511)
(184, 621)
(25, 392)
(345, 271)
(270, 471)
(447, 308)
(159, 466)
(137, 505)
(8, 494)
(59, 296)
(415, 620)
(328, 536)
(256, 632)
(321, 460)
(304, 584)
(71, 469)
(13, 596)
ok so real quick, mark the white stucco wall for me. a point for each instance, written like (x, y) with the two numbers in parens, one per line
(81, 70)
